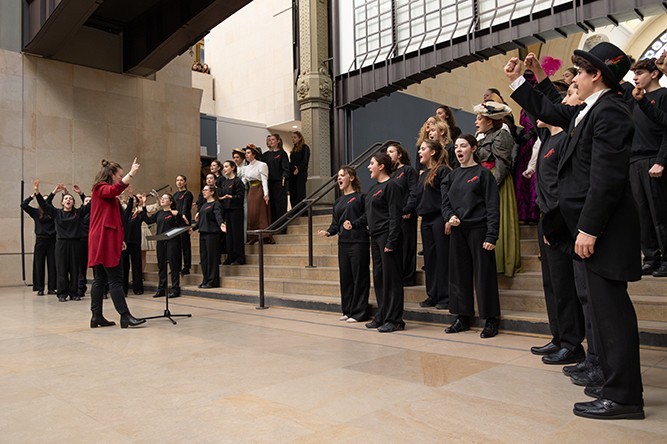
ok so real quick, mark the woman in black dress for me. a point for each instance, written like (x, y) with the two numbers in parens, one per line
(353, 247)
(232, 196)
(298, 162)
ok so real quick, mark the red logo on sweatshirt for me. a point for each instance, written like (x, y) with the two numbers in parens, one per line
(351, 200)
(278, 156)
(652, 102)
(474, 179)
(377, 193)
(549, 153)
(400, 175)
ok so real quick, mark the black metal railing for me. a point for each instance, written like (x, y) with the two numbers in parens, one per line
(305, 205)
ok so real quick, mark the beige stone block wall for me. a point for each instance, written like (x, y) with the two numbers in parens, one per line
(57, 121)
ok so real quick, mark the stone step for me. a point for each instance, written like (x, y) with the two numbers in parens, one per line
(652, 333)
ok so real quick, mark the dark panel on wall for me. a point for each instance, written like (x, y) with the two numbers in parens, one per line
(208, 134)
(399, 117)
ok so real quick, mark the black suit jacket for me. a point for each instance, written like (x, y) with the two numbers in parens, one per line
(593, 188)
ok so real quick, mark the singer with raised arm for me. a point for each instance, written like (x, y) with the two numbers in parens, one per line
(105, 243)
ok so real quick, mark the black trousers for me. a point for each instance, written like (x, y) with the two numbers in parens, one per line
(436, 258)
(651, 197)
(566, 316)
(297, 189)
(82, 281)
(387, 280)
(409, 238)
(614, 324)
(169, 252)
(132, 258)
(113, 278)
(186, 251)
(468, 263)
(44, 254)
(355, 280)
(235, 237)
(277, 199)
(581, 282)
(67, 258)
(209, 255)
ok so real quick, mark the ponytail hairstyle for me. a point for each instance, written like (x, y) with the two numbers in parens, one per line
(441, 158)
(106, 173)
(299, 145)
(279, 139)
(217, 162)
(185, 179)
(403, 155)
(356, 183)
(384, 160)
(472, 141)
(171, 199)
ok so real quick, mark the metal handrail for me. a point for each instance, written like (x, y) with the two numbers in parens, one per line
(303, 206)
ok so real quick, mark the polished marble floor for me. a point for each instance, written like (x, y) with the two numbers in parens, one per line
(232, 373)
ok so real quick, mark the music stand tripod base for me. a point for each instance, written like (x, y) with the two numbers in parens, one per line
(171, 234)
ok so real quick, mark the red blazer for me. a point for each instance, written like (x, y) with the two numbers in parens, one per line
(105, 238)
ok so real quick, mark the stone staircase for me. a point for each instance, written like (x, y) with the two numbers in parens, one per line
(288, 282)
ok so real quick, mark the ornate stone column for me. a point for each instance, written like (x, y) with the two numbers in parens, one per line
(314, 88)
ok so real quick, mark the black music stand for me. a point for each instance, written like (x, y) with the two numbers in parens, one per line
(171, 234)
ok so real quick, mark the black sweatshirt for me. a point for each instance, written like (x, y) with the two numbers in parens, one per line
(472, 196)
(44, 226)
(278, 164)
(68, 223)
(300, 161)
(235, 188)
(384, 210)
(649, 140)
(210, 218)
(165, 220)
(183, 201)
(428, 199)
(348, 207)
(406, 178)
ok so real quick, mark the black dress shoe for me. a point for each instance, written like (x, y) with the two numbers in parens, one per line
(160, 293)
(127, 320)
(490, 329)
(40, 293)
(227, 262)
(457, 327)
(204, 286)
(52, 292)
(76, 297)
(138, 292)
(590, 377)
(442, 306)
(372, 324)
(660, 272)
(593, 391)
(388, 327)
(648, 269)
(565, 356)
(238, 262)
(176, 294)
(579, 367)
(546, 349)
(608, 409)
(99, 321)
(62, 298)
(185, 272)
(428, 302)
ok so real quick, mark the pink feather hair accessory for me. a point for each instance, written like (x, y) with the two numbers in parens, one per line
(550, 65)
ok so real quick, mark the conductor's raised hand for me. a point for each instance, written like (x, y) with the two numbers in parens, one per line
(35, 186)
(135, 167)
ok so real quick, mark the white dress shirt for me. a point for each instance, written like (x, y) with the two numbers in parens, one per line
(257, 170)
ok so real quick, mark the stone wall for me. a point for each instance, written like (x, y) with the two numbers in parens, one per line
(57, 121)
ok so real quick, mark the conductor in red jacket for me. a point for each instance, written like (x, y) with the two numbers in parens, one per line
(105, 243)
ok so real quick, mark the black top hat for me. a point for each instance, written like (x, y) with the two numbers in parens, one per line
(610, 60)
(255, 149)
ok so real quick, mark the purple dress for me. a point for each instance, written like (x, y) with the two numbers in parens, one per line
(526, 195)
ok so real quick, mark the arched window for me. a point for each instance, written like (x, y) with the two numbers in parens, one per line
(657, 47)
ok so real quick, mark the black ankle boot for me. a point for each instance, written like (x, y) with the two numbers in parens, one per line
(99, 321)
(127, 320)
